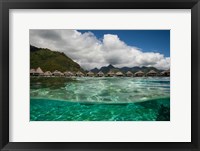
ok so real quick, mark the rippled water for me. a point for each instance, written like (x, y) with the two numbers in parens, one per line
(100, 99)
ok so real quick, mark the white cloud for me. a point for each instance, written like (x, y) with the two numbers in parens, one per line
(91, 52)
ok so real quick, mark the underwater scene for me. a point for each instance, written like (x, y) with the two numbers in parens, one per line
(99, 98)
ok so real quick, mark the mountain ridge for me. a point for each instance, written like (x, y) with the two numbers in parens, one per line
(134, 69)
(50, 60)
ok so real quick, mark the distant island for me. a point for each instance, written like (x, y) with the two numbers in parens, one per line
(44, 61)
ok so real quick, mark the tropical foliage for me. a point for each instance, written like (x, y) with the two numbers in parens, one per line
(50, 60)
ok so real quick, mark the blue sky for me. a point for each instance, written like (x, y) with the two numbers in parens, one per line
(98, 48)
(146, 40)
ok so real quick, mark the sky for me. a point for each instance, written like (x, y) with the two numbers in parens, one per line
(147, 40)
(97, 48)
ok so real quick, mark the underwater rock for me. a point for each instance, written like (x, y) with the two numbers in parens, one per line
(163, 113)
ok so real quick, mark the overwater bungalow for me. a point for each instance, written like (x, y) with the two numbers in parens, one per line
(165, 73)
(152, 73)
(57, 73)
(32, 72)
(68, 74)
(119, 74)
(47, 74)
(139, 74)
(129, 74)
(38, 72)
(100, 74)
(90, 74)
(79, 74)
(110, 74)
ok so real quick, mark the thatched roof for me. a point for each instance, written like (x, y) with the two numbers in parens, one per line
(56, 72)
(100, 73)
(79, 73)
(139, 72)
(129, 73)
(167, 70)
(152, 72)
(68, 73)
(119, 73)
(39, 71)
(47, 73)
(111, 73)
(90, 73)
(32, 71)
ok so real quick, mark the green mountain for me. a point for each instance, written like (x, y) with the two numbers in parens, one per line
(51, 60)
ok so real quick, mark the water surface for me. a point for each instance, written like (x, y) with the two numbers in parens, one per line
(100, 99)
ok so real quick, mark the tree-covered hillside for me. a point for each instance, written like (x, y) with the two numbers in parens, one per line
(51, 60)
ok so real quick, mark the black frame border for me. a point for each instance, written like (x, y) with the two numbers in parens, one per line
(5, 5)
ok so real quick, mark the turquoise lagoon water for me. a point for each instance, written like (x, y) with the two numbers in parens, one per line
(100, 99)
